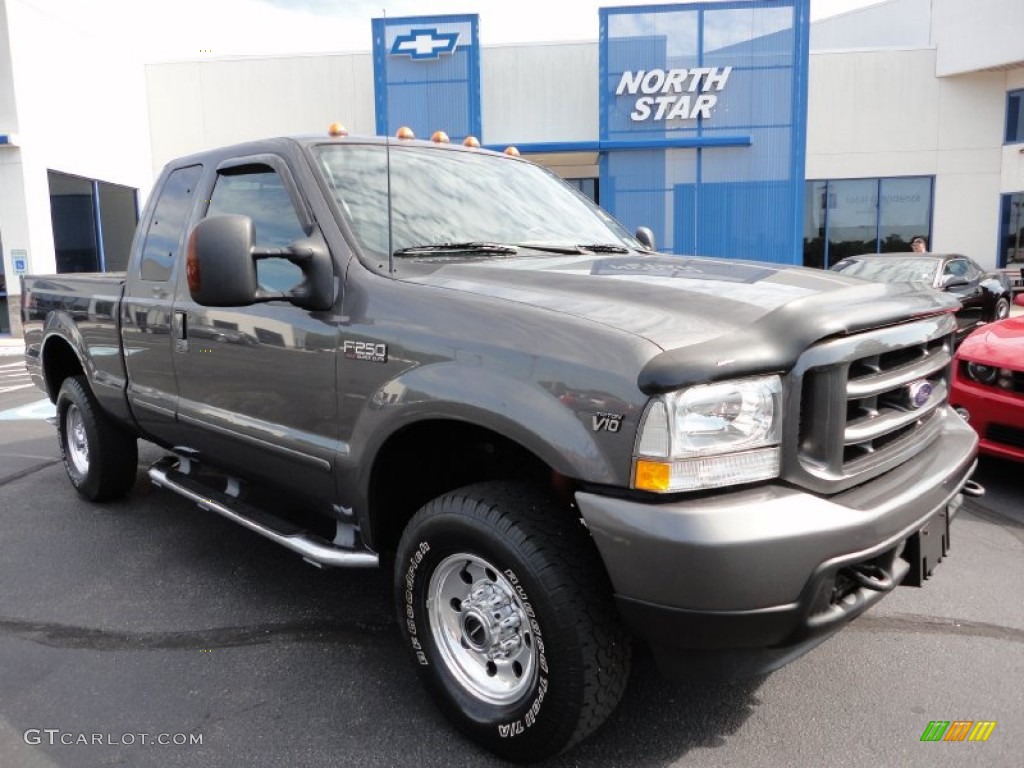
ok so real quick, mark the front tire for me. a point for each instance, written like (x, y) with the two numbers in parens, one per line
(100, 458)
(1002, 308)
(508, 613)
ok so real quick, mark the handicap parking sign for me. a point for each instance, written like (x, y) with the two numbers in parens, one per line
(19, 262)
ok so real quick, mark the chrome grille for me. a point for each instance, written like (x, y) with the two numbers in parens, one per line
(854, 399)
(878, 405)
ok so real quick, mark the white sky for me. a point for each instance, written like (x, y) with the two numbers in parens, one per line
(190, 29)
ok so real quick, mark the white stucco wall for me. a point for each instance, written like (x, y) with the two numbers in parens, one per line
(540, 93)
(204, 104)
(13, 220)
(884, 113)
(977, 34)
(81, 109)
(894, 24)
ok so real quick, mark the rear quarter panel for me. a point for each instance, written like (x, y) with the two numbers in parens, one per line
(81, 310)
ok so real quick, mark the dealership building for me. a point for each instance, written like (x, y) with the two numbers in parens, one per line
(735, 129)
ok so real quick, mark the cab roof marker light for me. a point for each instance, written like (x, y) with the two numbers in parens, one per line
(471, 141)
(405, 132)
(512, 151)
(440, 137)
(337, 129)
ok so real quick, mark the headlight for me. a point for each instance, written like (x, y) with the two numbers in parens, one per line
(990, 375)
(983, 374)
(711, 435)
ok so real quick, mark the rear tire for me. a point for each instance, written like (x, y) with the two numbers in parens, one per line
(101, 459)
(508, 613)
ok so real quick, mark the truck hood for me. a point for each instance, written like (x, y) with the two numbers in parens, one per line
(714, 318)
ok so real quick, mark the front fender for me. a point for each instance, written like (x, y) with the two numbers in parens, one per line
(521, 410)
(995, 286)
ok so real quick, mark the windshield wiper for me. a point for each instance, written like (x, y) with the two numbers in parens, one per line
(471, 247)
(604, 248)
(568, 250)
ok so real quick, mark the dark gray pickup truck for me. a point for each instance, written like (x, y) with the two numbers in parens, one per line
(444, 360)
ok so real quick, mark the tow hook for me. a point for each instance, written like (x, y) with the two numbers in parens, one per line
(974, 489)
(871, 576)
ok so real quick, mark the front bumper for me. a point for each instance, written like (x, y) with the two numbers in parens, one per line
(742, 581)
(995, 414)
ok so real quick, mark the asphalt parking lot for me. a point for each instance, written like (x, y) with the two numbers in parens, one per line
(149, 616)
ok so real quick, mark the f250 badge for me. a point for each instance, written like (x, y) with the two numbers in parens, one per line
(365, 350)
(606, 422)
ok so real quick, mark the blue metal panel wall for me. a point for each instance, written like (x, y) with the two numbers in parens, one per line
(656, 63)
(426, 73)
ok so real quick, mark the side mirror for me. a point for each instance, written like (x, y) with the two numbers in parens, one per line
(646, 237)
(953, 281)
(221, 266)
(219, 263)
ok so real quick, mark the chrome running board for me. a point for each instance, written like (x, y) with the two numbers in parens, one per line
(314, 549)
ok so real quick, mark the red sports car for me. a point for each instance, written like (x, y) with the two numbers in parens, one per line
(988, 386)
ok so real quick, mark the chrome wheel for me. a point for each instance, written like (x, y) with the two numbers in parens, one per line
(481, 629)
(78, 442)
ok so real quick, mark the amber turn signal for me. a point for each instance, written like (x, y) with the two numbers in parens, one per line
(652, 475)
(192, 264)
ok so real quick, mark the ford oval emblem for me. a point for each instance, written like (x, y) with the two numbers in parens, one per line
(918, 393)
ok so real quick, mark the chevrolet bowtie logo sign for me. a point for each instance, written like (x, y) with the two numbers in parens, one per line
(424, 43)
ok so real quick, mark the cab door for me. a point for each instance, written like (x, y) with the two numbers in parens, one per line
(257, 384)
(146, 308)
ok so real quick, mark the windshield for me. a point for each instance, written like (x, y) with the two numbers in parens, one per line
(890, 269)
(451, 197)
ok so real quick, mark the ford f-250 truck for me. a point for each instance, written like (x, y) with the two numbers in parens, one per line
(445, 360)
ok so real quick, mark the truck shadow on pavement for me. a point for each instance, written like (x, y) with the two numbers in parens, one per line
(658, 721)
(309, 660)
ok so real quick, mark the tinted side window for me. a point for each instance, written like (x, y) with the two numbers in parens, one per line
(261, 195)
(973, 271)
(957, 268)
(163, 239)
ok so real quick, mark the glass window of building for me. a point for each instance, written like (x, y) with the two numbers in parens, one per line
(1011, 231)
(93, 223)
(849, 217)
(1015, 117)
(815, 205)
(905, 213)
